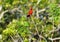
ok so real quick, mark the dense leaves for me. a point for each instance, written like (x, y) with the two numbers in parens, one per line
(15, 26)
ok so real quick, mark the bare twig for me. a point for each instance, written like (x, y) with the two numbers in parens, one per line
(37, 14)
(54, 38)
(19, 36)
(38, 2)
(12, 38)
(1, 15)
(17, 10)
(41, 10)
(54, 30)
(30, 37)
(42, 37)
(0, 8)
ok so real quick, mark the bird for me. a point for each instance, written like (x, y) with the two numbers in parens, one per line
(30, 12)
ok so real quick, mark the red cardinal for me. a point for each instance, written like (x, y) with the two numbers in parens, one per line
(30, 12)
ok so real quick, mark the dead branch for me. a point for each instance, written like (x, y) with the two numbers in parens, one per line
(12, 11)
(17, 10)
(54, 30)
(1, 15)
(38, 2)
(12, 38)
(41, 10)
(54, 38)
(37, 13)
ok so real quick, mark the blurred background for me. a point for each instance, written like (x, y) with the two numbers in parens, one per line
(42, 26)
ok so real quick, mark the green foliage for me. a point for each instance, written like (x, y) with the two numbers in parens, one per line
(10, 30)
(1, 30)
(23, 31)
(54, 10)
(26, 40)
(23, 22)
(22, 27)
(25, 26)
(55, 13)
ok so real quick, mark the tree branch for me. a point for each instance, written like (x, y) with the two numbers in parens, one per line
(42, 10)
(17, 10)
(54, 38)
(54, 30)
(12, 38)
(12, 11)
(37, 13)
(38, 2)
(1, 15)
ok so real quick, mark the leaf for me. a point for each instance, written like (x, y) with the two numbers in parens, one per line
(26, 24)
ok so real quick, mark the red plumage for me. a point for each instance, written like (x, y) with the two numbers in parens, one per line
(30, 12)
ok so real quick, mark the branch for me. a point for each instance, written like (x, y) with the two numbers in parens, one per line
(54, 38)
(42, 37)
(30, 37)
(37, 13)
(42, 10)
(38, 2)
(0, 8)
(12, 38)
(1, 15)
(54, 30)
(17, 10)
(19, 37)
